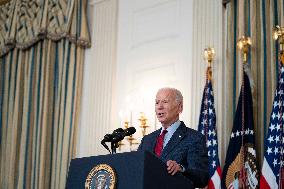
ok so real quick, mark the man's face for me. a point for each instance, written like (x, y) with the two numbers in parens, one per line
(166, 107)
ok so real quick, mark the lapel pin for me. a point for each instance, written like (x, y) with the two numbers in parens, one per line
(179, 136)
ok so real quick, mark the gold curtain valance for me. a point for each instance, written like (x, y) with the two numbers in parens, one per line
(24, 22)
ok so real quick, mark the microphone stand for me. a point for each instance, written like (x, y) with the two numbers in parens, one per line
(114, 145)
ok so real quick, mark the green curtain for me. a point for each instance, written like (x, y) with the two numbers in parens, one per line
(257, 20)
(41, 64)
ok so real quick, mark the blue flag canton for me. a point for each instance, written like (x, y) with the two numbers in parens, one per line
(207, 125)
(275, 140)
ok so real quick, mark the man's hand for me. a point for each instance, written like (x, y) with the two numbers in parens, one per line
(173, 167)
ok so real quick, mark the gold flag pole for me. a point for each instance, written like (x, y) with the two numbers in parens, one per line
(243, 45)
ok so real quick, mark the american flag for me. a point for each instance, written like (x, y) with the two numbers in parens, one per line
(272, 168)
(207, 126)
(240, 169)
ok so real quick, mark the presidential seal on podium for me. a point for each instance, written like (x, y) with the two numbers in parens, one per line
(101, 176)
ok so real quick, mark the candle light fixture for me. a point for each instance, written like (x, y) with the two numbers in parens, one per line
(143, 123)
(132, 141)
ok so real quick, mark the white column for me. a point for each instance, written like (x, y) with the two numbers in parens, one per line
(207, 31)
(99, 70)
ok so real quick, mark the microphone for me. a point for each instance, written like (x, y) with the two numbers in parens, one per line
(120, 135)
(109, 137)
(116, 136)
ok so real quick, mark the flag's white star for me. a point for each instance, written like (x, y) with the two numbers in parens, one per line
(209, 101)
(275, 104)
(208, 143)
(214, 142)
(209, 133)
(232, 135)
(272, 127)
(269, 150)
(278, 115)
(277, 139)
(204, 122)
(237, 133)
(213, 164)
(213, 153)
(275, 162)
(276, 150)
(273, 115)
(270, 139)
(278, 126)
(210, 121)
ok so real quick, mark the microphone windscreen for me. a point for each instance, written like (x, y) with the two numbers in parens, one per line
(119, 130)
(130, 131)
(107, 138)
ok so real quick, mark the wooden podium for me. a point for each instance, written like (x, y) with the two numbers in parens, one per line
(133, 170)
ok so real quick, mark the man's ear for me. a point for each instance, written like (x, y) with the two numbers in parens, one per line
(180, 108)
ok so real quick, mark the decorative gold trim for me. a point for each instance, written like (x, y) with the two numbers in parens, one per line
(244, 43)
(101, 167)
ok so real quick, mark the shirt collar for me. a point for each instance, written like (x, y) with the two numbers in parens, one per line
(173, 127)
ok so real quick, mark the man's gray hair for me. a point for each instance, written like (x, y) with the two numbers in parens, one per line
(179, 97)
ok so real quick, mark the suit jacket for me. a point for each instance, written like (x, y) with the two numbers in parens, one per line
(188, 148)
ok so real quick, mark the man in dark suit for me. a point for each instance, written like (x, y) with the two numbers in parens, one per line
(181, 148)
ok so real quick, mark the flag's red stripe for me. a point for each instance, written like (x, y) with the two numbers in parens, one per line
(263, 183)
(219, 171)
(210, 185)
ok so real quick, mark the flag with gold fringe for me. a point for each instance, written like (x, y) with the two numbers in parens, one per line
(272, 173)
(240, 169)
(207, 126)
